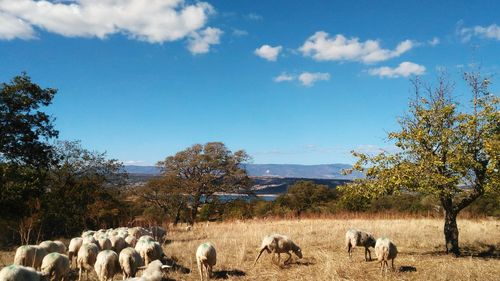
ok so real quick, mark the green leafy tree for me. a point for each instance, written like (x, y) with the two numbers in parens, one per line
(307, 196)
(204, 170)
(25, 127)
(80, 191)
(25, 151)
(441, 150)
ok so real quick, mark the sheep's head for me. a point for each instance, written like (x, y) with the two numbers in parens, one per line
(297, 251)
(370, 242)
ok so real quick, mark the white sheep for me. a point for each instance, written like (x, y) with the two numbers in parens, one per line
(385, 251)
(153, 272)
(74, 246)
(86, 258)
(279, 244)
(55, 266)
(50, 246)
(104, 243)
(30, 255)
(131, 241)
(61, 248)
(90, 239)
(358, 238)
(117, 243)
(148, 249)
(88, 233)
(130, 260)
(106, 265)
(206, 258)
(20, 273)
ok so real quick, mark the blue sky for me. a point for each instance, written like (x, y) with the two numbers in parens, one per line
(289, 81)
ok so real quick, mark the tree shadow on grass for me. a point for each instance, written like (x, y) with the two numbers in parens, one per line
(226, 274)
(479, 250)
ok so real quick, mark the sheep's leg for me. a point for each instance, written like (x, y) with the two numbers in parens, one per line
(261, 251)
(392, 265)
(279, 258)
(288, 259)
(80, 274)
(200, 269)
(209, 273)
(349, 249)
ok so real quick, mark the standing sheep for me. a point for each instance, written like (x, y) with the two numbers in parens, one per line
(117, 243)
(61, 248)
(30, 255)
(74, 246)
(106, 265)
(104, 243)
(131, 241)
(55, 265)
(19, 273)
(86, 258)
(206, 258)
(278, 244)
(50, 246)
(158, 233)
(356, 238)
(148, 249)
(385, 251)
(130, 261)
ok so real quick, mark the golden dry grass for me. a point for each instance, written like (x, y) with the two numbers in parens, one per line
(419, 241)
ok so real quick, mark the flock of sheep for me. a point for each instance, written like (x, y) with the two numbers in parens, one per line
(128, 250)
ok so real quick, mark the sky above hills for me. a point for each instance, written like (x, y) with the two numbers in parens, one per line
(288, 81)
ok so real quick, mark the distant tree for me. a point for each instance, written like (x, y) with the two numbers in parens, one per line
(166, 195)
(307, 196)
(25, 128)
(203, 170)
(442, 150)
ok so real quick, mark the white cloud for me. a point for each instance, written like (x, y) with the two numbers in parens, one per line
(154, 21)
(404, 69)
(284, 77)
(254, 16)
(12, 27)
(490, 32)
(321, 47)
(268, 52)
(199, 42)
(308, 78)
(434, 42)
(239, 32)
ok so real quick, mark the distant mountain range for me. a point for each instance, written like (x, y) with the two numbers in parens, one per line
(324, 171)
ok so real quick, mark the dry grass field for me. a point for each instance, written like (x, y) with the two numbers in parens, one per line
(419, 241)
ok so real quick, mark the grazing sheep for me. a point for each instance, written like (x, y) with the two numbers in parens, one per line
(136, 232)
(206, 258)
(106, 265)
(19, 273)
(153, 272)
(131, 241)
(86, 258)
(158, 233)
(88, 233)
(130, 261)
(149, 249)
(385, 251)
(74, 246)
(50, 246)
(117, 243)
(90, 239)
(55, 266)
(30, 255)
(278, 244)
(356, 238)
(104, 243)
(61, 248)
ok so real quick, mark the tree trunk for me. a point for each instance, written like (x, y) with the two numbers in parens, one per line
(451, 232)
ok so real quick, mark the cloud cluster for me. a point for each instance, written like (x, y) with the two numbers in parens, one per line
(199, 42)
(490, 32)
(154, 21)
(268, 52)
(322, 47)
(404, 69)
(306, 78)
